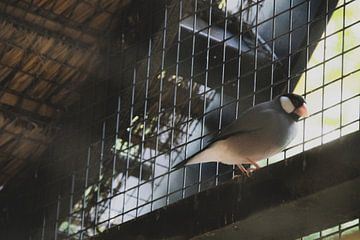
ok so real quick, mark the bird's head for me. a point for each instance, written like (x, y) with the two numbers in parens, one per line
(294, 105)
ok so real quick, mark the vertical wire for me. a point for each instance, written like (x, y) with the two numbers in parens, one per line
(57, 217)
(107, 63)
(43, 227)
(323, 72)
(129, 141)
(71, 202)
(183, 184)
(272, 53)
(113, 172)
(101, 178)
(84, 196)
(255, 52)
(158, 127)
(145, 117)
(205, 87)
(173, 119)
(191, 80)
(308, 22)
(342, 66)
(239, 70)
(290, 45)
(288, 80)
(221, 106)
(272, 58)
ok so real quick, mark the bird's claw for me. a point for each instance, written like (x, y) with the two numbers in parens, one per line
(243, 170)
(237, 177)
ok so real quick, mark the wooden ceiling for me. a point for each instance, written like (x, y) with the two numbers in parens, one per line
(48, 49)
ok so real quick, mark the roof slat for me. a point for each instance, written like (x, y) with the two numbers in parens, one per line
(42, 31)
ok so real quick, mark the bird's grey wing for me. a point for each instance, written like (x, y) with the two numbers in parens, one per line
(251, 120)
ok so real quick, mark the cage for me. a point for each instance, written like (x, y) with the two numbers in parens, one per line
(152, 90)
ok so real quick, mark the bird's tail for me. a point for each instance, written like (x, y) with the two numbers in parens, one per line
(204, 155)
(179, 165)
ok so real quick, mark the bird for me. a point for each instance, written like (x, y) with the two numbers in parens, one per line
(258, 133)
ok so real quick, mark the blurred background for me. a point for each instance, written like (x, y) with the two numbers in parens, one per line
(98, 99)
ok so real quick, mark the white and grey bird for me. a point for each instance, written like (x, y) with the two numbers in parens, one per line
(260, 132)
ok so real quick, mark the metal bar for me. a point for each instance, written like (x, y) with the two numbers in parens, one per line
(189, 102)
(161, 89)
(173, 115)
(84, 202)
(222, 91)
(290, 46)
(114, 171)
(43, 226)
(256, 34)
(57, 217)
(71, 203)
(307, 60)
(238, 77)
(131, 117)
(323, 77)
(144, 124)
(342, 64)
(98, 191)
(203, 117)
(272, 52)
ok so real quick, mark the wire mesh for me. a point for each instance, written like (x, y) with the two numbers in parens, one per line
(202, 64)
(347, 230)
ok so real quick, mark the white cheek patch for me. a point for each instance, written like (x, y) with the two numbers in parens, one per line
(286, 104)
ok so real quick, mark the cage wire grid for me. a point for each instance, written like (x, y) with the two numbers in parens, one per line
(335, 232)
(156, 118)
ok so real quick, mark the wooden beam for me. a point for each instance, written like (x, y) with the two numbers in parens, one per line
(5, 16)
(45, 13)
(29, 116)
(306, 193)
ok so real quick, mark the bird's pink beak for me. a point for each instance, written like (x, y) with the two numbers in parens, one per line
(302, 111)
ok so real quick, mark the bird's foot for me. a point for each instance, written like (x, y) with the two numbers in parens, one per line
(237, 177)
(242, 170)
(253, 163)
(245, 171)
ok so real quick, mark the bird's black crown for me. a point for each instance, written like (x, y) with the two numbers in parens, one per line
(297, 100)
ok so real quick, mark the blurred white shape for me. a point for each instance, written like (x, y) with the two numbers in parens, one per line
(350, 128)
(314, 101)
(332, 94)
(293, 151)
(276, 158)
(331, 136)
(311, 144)
(313, 127)
(331, 119)
(337, 95)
